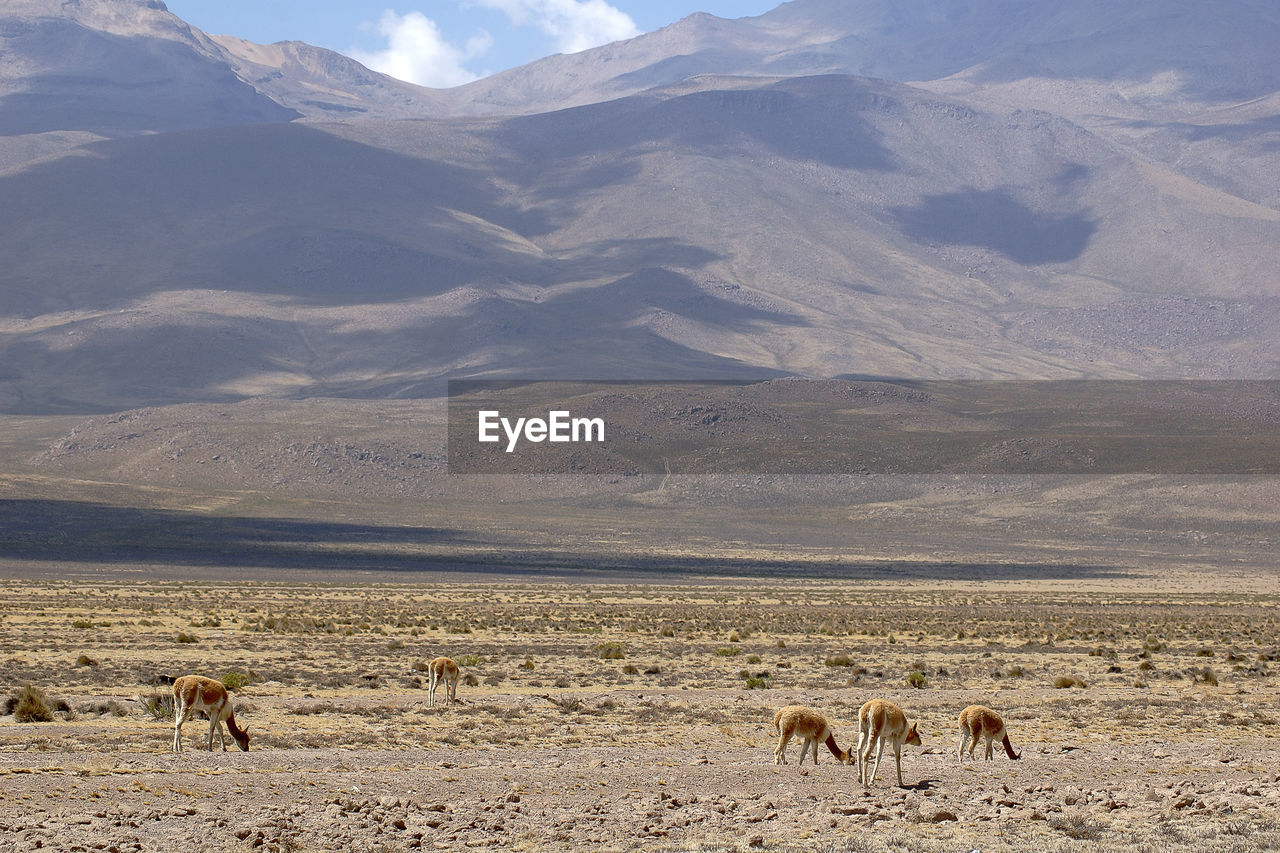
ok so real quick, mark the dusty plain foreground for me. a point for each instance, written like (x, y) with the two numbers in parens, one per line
(623, 715)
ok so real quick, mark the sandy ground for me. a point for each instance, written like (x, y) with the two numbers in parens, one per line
(557, 744)
(620, 797)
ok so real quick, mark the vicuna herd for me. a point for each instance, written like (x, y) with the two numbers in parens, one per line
(194, 693)
(880, 722)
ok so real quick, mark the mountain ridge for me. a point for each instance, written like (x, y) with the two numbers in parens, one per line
(331, 232)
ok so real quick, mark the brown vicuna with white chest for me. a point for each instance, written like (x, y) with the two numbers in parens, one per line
(883, 721)
(799, 721)
(192, 693)
(977, 722)
(443, 669)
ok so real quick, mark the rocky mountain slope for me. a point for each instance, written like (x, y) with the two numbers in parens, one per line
(190, 218)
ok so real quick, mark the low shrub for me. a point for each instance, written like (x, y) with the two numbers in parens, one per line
(234, 680)
(32, 706)
(611, 650)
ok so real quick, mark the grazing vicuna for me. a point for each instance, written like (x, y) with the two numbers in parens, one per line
(799, 721)
(443, 669)
(977, 722)
(192, 693)
(881, 720)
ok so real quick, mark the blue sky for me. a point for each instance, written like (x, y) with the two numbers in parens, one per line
(448, 42)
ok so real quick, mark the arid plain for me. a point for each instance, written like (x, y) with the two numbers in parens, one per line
(617, 715)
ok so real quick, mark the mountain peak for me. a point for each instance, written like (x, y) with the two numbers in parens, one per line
(121, 17)
(116, 67)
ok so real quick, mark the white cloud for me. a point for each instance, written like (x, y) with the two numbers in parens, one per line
(417, 52)
(574, 25)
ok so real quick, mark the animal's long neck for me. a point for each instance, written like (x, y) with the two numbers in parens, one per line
(835, 750)
(1008, 749)
(236, 731)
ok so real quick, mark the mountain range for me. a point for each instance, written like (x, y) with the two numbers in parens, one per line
(925, 188)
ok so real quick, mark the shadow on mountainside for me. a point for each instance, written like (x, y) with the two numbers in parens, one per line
(995, 220)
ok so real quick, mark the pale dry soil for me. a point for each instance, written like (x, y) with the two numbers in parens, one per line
(1169, 740)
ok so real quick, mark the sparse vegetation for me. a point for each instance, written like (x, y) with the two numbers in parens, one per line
(1078, 827)
(159, 706)
(1204, 676)
(598, 701)
(31, 705)
(233, 680)
(611, 651)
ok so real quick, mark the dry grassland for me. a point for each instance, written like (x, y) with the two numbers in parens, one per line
(619, 715)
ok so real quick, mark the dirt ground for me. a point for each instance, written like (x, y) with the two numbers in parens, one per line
(625, 715)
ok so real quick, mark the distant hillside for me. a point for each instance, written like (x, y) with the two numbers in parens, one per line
(120, 67)
(195, 219)
(1192, 86)
(1154, 52)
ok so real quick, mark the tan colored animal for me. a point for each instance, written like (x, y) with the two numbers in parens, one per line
(799, 721)
(977, 722)
(192, 693)
(443, 669)
(879, 721)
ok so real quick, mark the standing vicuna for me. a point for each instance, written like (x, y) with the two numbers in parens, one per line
(192, 693)
(443, 669)
(977, 722)
(881, 720)
(799, 721)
